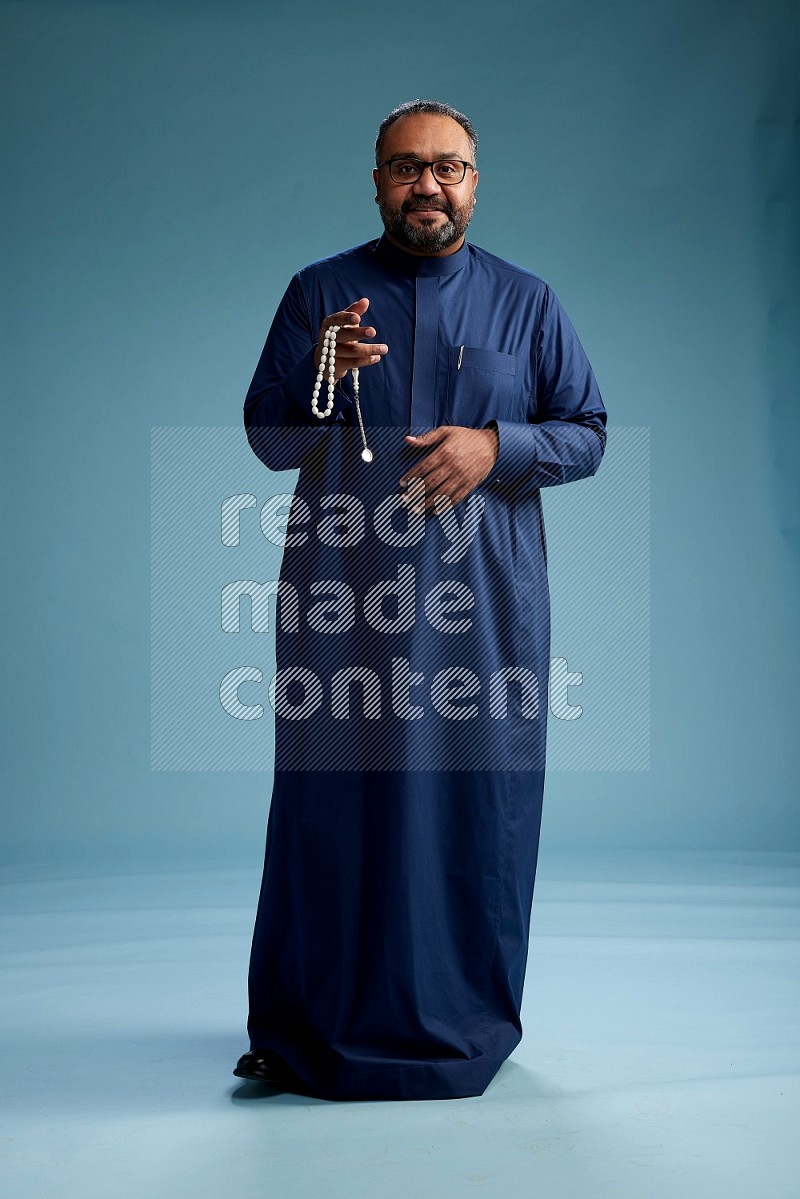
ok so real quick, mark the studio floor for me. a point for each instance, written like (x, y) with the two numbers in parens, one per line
(660, 1057)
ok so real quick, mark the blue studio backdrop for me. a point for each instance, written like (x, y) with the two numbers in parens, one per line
(170, 166)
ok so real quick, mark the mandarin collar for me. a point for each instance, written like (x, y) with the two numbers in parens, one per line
(420, 264)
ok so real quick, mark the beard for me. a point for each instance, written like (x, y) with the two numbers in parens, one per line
(426, 239)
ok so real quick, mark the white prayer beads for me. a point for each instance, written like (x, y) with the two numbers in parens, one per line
(328, 357)
(329, 354)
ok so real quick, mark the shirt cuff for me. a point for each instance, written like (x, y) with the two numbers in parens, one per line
(516, 452)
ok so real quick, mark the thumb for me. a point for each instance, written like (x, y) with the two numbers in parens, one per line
(429, 438)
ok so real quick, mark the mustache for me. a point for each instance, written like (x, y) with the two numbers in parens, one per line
(411, 203)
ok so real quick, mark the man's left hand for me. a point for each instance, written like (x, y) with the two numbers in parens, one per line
(460, 459)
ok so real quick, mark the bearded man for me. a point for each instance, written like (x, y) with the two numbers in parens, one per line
(412, 637)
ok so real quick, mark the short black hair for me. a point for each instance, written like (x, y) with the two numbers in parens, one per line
(438, 108)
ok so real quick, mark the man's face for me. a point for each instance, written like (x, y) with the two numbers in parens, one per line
(426, 217)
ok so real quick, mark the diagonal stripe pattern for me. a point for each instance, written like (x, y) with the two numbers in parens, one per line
(214, 575)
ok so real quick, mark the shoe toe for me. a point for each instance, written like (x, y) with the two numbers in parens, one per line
(261, 1065)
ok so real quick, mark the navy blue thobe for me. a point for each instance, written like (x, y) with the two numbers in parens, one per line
(412, 662)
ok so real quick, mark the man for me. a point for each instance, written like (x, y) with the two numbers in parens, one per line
(412, 635)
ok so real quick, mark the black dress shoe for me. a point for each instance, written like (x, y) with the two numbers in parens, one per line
(262, 1065)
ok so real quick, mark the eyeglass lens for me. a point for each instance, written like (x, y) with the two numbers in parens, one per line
(408, 170)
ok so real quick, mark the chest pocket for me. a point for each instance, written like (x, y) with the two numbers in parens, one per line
(480, 386)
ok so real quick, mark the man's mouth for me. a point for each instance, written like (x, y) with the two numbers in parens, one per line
(419, 208)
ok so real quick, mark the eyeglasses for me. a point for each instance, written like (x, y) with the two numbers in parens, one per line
(409, 170)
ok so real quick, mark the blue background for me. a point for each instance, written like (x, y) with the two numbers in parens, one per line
(170, 165)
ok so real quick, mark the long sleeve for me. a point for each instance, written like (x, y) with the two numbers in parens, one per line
(565, 436)
(281, 428)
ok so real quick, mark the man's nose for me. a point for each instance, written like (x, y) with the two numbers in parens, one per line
(426, 185)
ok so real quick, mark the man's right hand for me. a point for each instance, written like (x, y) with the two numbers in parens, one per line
(351, 348)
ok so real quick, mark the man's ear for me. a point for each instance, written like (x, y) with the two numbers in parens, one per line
(376, 176)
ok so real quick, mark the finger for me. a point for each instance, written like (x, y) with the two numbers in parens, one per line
(454, 498)
(421, 490)
(415, 491)
(435, 434)
(357, 364)
(354, 333)
(443, 499)
(360, 351)
(354, 345)
(439, 482)
(342, 368)
(343, 320)
(432, 437)
(349, 350)
(347, 316)
(423, 469)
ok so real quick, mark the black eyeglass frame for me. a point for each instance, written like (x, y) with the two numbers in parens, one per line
(387, 162)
